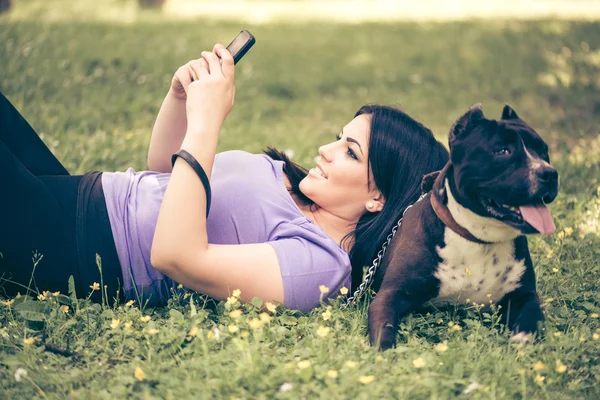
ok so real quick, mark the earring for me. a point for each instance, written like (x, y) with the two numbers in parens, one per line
(370, 205)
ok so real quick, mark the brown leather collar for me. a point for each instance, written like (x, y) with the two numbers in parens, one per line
(439, 198)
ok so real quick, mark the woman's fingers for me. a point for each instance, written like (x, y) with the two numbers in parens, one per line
(191, 71)
(226, 60)
(214, 64)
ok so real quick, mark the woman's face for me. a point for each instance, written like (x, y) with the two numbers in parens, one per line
(339, 181)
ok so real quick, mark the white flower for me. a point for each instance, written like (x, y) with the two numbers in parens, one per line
(217, 333)
(20, 373)
(286, 387)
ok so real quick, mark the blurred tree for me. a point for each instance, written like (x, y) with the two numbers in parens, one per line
(149, 3)
(4, 6)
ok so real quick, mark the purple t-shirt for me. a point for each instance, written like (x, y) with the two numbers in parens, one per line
(250, 204)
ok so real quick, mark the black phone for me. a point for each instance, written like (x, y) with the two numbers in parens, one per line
(240, 45)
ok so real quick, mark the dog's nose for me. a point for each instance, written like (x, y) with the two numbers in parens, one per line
(547, 175)
(548, 183)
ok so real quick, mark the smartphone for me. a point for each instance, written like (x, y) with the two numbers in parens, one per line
(240, 45)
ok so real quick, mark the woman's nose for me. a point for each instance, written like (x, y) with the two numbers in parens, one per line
(325, 153)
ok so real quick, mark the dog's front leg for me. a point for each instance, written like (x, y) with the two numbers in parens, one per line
(522, 314)
(386, 309)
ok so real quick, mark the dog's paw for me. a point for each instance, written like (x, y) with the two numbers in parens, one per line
(520, 338)
(385, 338)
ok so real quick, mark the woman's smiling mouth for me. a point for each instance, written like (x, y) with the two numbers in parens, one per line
(317, 172)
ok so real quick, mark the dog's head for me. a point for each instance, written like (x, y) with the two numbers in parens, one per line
(501, 170)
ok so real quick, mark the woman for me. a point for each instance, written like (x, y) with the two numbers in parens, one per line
(274, 230)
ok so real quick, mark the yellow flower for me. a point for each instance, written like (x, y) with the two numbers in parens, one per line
(129, 303)
(594, 315)
(271, 307)
(323, 331)
(595, 336)
(236, 293)
(324, 289)
(550, 254)
(451, 323)
(95, 286)
(186, 295)
(244, 334)
(28, 341)
(145, 318)
(115, 323)
(549, 300)
(264, 317)
(193, 332)
(489, 295)
(326, 315)
(557, 334)
(555, 270)
(332, 373)
(41, 296)
(418, 362)
(8, 303)
(344, 291)
(235, 314)
(568, 231)
(152, 331)
(441, 347)
(538, 366)
(539, 379)
(254, 323)
(231, 300)
(456, 328)
(233, 328)
(64, 308)
(468, 272)
(128, 324)
(350, 364)
(139, 374)
(561, 235)
(56, 293)
(366, 379)
(560, 367)
(304, 364)
(180, 286)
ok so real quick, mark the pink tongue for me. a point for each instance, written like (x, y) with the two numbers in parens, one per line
(539, 217)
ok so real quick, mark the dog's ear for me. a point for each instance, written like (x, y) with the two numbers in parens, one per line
(509, 113)
(474, 114)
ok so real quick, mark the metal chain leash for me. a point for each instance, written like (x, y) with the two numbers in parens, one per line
(366, 283)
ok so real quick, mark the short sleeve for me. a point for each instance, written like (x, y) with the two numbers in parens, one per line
(309, 258)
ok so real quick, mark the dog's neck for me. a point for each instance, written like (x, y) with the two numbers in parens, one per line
(464, 222)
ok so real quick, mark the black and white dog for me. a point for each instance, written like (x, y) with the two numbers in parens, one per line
(465, 238)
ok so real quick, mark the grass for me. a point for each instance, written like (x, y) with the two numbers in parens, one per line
(93, 90)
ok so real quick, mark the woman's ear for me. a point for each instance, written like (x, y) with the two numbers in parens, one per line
(376, 204)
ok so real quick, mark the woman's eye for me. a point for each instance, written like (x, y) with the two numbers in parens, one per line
(502, 152)
(351, 153)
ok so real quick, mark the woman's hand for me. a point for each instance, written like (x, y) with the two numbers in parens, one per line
(210, 96)
(183, 77)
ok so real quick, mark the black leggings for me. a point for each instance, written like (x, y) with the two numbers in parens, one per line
(52, 224)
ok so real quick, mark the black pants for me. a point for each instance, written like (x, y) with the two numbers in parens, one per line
(52, 224)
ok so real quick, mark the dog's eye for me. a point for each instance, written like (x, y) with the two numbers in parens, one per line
(502, 152)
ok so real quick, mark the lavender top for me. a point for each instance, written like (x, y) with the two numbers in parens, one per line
(250, 204)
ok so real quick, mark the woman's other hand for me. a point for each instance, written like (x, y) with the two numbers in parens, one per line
(183, 77)
(210, 96)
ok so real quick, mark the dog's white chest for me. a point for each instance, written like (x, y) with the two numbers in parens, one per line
(475, 272)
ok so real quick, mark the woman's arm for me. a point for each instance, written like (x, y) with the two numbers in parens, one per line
(180, 246)
(168, 133)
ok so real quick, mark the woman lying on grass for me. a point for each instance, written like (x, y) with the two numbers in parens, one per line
(274, 230)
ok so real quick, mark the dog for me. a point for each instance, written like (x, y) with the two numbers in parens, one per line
(465, 240)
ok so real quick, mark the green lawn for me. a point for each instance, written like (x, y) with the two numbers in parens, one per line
(93, 91)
